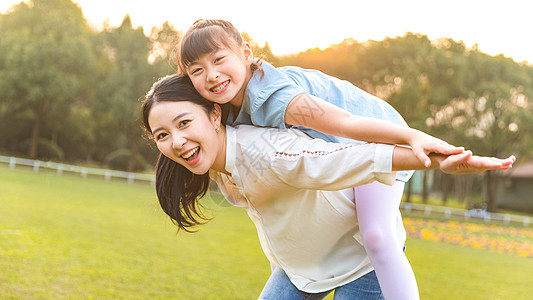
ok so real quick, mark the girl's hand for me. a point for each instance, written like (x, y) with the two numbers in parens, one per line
(466, 163)
(423, 144)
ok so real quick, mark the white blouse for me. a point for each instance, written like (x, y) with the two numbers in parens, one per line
(291, 186)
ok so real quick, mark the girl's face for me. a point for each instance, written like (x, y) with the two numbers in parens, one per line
(222, 75)
(186, 133)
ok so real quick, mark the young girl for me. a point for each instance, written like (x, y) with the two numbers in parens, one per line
(223, 70)
(285, 182)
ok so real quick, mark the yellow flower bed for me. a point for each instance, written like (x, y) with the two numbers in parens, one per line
(511, 240)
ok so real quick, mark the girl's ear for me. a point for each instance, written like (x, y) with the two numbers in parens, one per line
(216, 115)
(247, 52)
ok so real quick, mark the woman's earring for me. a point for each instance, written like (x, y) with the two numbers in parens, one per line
(217, 129)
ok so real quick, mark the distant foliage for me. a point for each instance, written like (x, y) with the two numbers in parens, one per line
(79, 89)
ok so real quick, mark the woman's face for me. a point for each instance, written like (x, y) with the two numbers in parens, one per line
(186, 133)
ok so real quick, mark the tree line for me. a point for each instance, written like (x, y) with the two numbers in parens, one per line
(71, 93)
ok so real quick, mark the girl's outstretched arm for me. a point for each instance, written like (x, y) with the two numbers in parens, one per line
(320, 115)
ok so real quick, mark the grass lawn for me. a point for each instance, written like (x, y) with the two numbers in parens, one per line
(65, 237)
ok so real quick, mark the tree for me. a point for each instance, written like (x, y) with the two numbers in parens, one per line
(496, 116)
(462, 96)
(262, 52)
(164, 42)
(46, 59)
(128, 77)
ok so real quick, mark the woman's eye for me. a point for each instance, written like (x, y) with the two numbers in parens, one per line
(184, 123)
(160, 136)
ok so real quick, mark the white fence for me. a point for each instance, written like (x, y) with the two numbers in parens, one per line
(410, 208)
(464, 214)
(60, 168)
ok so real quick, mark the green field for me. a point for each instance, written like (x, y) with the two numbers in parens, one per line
(65, 237)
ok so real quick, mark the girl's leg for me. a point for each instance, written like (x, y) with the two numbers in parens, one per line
(280, 287)
(377, 212)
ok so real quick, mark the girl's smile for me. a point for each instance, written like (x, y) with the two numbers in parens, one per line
(222, 75)
(221, 87)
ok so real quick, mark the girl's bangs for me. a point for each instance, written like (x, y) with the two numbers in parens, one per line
(200, 42)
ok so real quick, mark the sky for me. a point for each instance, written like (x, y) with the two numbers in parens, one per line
(498, 27)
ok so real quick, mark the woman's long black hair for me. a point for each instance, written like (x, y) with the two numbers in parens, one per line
(178, 189)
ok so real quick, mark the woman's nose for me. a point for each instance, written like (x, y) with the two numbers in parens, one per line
(178, 141)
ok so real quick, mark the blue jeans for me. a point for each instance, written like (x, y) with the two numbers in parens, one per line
(279, 287)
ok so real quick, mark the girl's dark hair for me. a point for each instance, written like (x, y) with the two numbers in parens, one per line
(178, 189)
(206, 36)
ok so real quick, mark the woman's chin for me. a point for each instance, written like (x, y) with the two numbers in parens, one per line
(201, 171)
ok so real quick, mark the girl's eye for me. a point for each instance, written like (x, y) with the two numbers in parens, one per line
(160, 136)
(196, 71)
(184, 123)
(218, 59)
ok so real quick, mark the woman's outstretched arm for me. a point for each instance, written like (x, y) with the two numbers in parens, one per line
(464, 163)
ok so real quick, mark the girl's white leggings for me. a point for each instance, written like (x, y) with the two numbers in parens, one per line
(377, 207)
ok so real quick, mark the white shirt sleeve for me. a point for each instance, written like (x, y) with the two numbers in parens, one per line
(326, 166)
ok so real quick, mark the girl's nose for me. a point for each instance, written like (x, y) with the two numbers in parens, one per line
(213, 75)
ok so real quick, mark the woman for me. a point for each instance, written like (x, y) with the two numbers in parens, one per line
(290, 185)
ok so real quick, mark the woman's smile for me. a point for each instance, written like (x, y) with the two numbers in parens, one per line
(192, 156)
(186, 133)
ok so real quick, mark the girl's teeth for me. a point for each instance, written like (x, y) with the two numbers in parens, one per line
(220, 87)
(190, 153)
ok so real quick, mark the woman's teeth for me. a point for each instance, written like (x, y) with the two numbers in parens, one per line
(190, 153)
(218, 88)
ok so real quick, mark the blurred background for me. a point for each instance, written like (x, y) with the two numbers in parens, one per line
(73, 73)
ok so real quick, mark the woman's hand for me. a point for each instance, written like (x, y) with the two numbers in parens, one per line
(466, 163)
